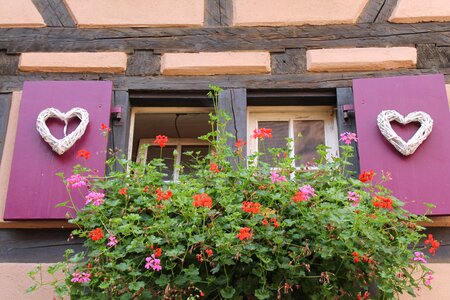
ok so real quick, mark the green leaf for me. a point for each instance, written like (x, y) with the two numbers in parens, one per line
(122, 267)
(227, 292)
(31, 288)
(262, 294)
(136, 286)
(62, 204)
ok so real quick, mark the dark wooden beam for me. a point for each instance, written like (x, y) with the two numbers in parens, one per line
(226, 12)
(287, 81)
(371, 11)
(212, 13)
(5, 105)
(143, 63)
(120, 126)
(54, 12)
(36, 245)
(429, 56)
(292, 61)
(17, 40)
(386, 11)
(9, 63)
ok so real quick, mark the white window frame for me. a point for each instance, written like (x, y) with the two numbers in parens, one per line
(327, 114)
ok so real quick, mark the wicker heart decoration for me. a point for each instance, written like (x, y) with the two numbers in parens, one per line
(385, 118)
(62, 145)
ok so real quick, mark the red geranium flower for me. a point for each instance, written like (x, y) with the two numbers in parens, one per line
(251, 207)
(163, 195)
(96, 234)
(214, 168)
(239, 143)
(202, 200)
(244, 234)
(299, 197)
(123, 191)
(383, 202)
(209, 252)
(433, 244)
(84, 153)
(262, 133)
(105, 128)
(366, 176)
(355, 256)
(161, 140)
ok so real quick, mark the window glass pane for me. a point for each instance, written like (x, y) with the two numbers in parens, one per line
(187, 160)
(280, 131)
(313, 134)
(167, 155)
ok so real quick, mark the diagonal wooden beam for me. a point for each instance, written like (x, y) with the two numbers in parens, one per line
(54, 12)
(371, 11)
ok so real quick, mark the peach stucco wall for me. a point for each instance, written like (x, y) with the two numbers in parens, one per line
(136, 13)
(414, 11)
(214, 63)
(360, 59)
(19, 13)
(89, 62)
(296, 12)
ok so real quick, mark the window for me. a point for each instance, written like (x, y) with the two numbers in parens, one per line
(315, 124)
(181, 125)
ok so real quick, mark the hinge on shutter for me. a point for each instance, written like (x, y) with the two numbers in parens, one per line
(348, 111)
(116, 112)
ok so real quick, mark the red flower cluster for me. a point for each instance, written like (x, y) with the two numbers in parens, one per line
(262, 133)
(163, 195)
(434, 245)
(96, 234)
(239, 143)
(202, 200)
(383, 202)
(244, 234)
(365, 258)
(365, 296)
(251, 207)
(273, 220)
(299, 197)
(366, 176)
(104, 128)
(161, 140)
(158, 252)
(209, 252)
(355, 256)
(123, 191)
(214, 168)
(84, 153)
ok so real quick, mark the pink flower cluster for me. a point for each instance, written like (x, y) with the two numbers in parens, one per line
(429, 278)
(80, 278)
(308, 191)
(96, 198)
(153, 262)
(112, 241)
(348, 137)
(276, 177)
(76, 181)
(353, 196)
(419, 256)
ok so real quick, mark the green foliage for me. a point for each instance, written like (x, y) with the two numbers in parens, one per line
(301, 249)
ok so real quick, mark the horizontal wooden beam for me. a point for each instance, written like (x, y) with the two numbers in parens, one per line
(223, 38)
(285, 81)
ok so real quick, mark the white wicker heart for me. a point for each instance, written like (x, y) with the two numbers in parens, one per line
(385, 118)
(62, 145)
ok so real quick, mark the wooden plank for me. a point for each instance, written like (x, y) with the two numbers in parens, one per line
(8, 63)
(386, 11)
(429, 56)
(371, 11)
(17, 40)
(226, 12)
(346, 123)
(44, 8)
(36, 246)
(120, 127)
(36, 224)
(285, 81)
(234, 102)
(212, 13)
(5, 105)
(143, 63)
(292, 61)
(61, 11)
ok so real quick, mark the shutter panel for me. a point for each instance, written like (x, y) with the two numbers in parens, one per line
(34, 189)
(346, 122)
(424, 175)
(120, 125)
(5, 105)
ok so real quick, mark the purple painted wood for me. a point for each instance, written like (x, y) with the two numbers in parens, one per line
(34, 189)
(424, 175)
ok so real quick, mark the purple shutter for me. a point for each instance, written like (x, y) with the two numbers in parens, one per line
(424, 175)
(34, 189)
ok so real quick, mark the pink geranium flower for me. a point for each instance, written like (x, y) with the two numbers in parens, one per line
(353, 196)
(153, 262)
(348, 137)
(275, 177)
(76, 181)
(308, 191)
(96, 198)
